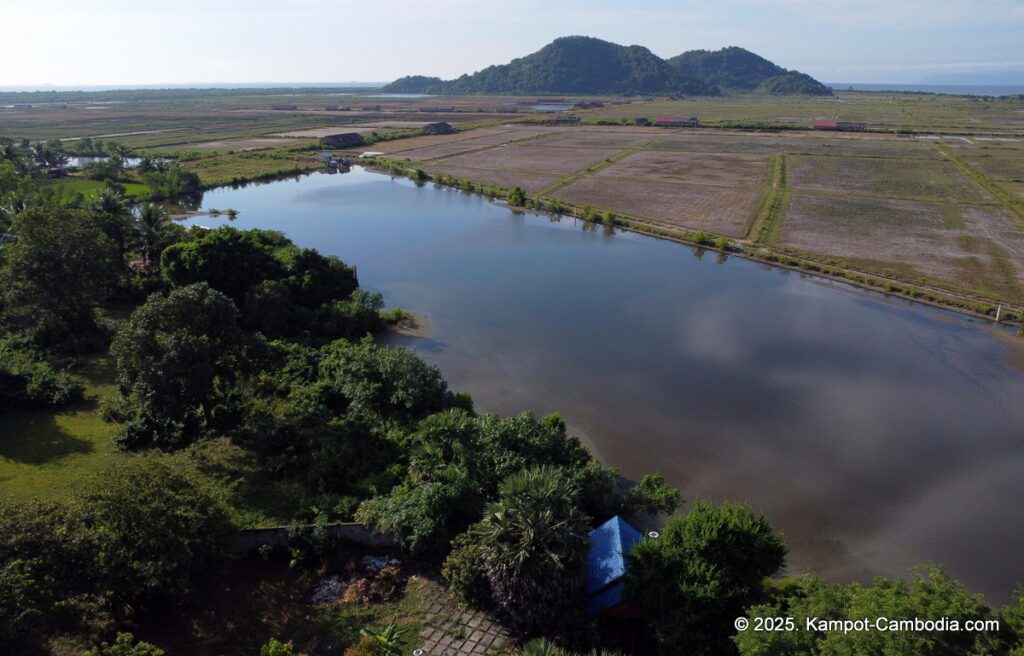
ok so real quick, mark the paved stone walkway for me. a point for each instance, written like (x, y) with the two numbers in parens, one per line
(454, 631)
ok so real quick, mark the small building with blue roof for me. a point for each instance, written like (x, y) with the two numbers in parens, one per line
(606, 565)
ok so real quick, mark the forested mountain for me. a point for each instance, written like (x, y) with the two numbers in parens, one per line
(737, 69)
(585, 65)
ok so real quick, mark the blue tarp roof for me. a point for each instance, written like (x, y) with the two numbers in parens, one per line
(606, 562)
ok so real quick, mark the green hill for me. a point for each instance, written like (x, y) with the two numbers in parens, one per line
(575, 65)
(585, 65)
(737, 69)
(415, 84)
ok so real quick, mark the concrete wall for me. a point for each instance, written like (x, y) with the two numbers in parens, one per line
(250, 539)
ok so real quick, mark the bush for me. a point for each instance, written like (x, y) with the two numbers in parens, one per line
(366, 646)
(517, 198)
(275, 647)
(464, 570)
(701, 574)
(425, 516)
(29, 381)
(157, 534)
(125, 645)
(385, 382)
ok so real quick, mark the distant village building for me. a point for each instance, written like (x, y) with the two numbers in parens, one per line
(370, 108)
(589, 104)
(343, 140)
(840, 126)
(621, 101)
(337, 108)
(437, 128)
(606, 565)
(284, 107)
(677, 121)
(437, 108)
(562, 119)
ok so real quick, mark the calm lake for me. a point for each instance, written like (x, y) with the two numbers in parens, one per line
(877, 434)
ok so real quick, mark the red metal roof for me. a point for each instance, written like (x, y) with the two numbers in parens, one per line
(826, 124)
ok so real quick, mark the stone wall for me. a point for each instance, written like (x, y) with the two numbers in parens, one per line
(250, 539)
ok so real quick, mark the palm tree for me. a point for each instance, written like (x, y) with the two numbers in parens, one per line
(541, 647)
(151, 226)
(532, 542)
(109, 201)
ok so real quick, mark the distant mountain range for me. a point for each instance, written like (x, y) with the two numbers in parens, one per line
(584, 65)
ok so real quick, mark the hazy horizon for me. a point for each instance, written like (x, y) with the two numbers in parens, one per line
(258, 41)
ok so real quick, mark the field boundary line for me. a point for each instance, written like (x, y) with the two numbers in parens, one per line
(767, 220)
(1004, 198)
(594, 168)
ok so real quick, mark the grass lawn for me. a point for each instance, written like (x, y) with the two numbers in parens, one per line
(88, 187)
(45, 454)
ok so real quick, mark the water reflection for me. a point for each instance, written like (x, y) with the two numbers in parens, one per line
(876, 433)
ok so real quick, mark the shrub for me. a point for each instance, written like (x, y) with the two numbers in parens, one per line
(517, 198)
(275, 647)
(366, 646)
(157, 534)
(464, 570)
(425, 516)
(701, 574)
(27, 380)
(126, 645)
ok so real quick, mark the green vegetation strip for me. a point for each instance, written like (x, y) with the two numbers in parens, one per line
(768, 219)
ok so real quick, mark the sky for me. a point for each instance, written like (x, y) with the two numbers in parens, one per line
(126, 42)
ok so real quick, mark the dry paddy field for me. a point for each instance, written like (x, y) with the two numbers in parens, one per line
(709, 168)
(908, 178)
(721, 210)
(533, 158)
(896, 206)
(970, 246)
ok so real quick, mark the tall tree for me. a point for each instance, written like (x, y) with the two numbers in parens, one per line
(177, 358)
(532, 544)
(56, 273)
(152, 229)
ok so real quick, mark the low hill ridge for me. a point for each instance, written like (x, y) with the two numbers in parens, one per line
(586, 65)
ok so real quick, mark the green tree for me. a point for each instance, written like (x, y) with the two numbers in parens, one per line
(152, 232)
(229, 260)
(177, 359)
(54, 276)
(517, 198)
(385, 382)
(701, 574)
(156, 533)
(113, 213)
(532, 544)
(931, 594)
